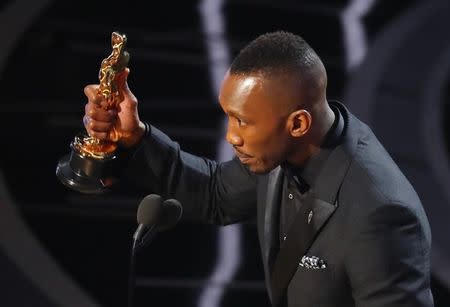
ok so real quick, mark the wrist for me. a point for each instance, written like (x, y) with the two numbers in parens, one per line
(135, 137)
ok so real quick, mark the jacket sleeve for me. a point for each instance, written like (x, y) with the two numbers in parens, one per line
(388, 259)
(219, 193)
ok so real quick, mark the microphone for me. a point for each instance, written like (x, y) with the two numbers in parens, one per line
(167, 217)
(171, 214)
(153, 216)
(149, 212)
(148, 215)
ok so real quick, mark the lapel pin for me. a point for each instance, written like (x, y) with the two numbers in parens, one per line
(310, 215)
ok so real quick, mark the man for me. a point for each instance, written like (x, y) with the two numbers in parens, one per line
(338, 223)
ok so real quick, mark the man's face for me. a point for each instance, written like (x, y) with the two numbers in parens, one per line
(257, 110)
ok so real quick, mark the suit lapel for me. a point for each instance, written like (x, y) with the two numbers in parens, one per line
(312, 216)
(271, 213)
(269, 200)
(316, 210)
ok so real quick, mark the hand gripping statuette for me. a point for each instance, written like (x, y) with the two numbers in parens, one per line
(89, 166)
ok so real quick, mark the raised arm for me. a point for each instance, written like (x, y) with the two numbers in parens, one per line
(220, 193)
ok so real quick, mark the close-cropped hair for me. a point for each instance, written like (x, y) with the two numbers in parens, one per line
(274, 52)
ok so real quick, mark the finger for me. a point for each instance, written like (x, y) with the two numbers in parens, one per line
(91, 92)
(97, 113)
(102, 135)
(99, 135)
(86, 122)
(96, 126)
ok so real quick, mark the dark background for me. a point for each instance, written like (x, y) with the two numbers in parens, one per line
(389, 65)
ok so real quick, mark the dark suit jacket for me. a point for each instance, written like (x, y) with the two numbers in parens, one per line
(368, 224)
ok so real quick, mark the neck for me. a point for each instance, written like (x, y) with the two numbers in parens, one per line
(323, 119)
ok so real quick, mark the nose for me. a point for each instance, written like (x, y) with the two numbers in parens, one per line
(233, 138)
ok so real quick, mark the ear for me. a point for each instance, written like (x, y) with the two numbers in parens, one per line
(299, 122)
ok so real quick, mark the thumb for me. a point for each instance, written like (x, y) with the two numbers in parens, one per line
(122, 83)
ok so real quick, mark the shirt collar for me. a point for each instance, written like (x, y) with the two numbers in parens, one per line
(304, 177)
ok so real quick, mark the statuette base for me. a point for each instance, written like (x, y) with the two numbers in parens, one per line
(86, 174)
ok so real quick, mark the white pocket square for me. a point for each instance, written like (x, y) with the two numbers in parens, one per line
(312, 262)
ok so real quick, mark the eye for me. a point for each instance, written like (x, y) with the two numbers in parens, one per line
(241, 123)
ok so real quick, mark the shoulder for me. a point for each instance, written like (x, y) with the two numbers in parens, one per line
(375, 191)
(373, 174)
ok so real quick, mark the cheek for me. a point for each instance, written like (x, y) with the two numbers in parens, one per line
(256, 140)
(266, 145)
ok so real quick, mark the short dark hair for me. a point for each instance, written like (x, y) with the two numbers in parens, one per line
(275, 51)
(280, 52)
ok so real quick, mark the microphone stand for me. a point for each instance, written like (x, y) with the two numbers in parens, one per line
(131, 275)
(138, 244)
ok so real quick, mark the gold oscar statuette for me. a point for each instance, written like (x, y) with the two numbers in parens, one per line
(89, 167)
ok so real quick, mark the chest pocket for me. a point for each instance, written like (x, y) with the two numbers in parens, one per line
(312, 287)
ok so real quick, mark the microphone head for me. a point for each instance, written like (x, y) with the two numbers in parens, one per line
(150, 210)
(171, 214)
